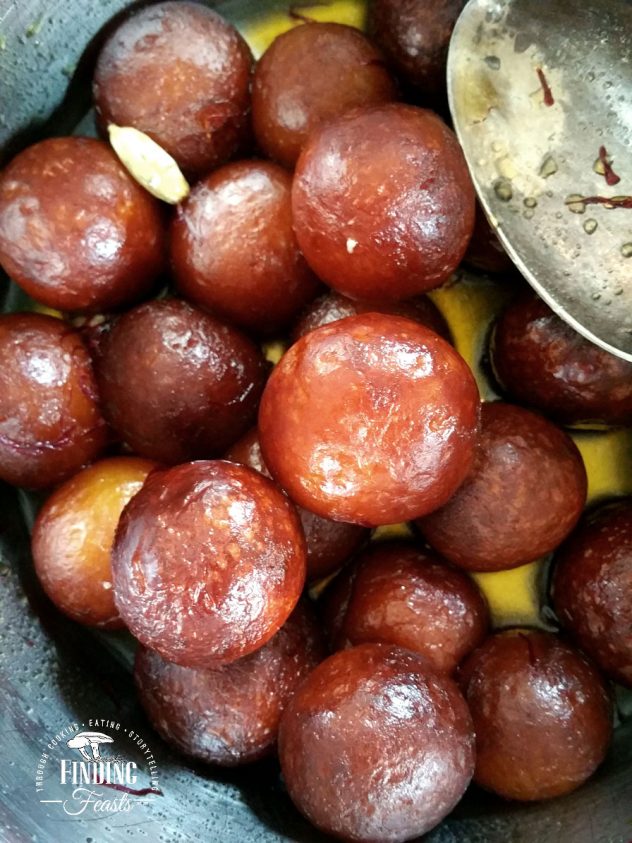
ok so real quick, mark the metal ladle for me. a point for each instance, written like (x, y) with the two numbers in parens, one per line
(541, 98)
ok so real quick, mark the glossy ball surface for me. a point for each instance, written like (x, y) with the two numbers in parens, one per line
(542, 362)
(371, 420)
(542, 715)
(383, 202)
(77, 232)
(374, 745)
(234, 252)
(208, 563)
(177, 384)
(307, 77)
(522, 498)
(180, 73)
(397, 593)
(415, 35)
(592, 588)
(50, 420)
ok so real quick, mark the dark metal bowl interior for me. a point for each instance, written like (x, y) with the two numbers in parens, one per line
(53, 673)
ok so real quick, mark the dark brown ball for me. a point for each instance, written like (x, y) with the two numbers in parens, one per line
(230, 715)
(77, 232)
(383, 202)
(208, 563)
(329, 543)
(332, 306)
(308, 76)
(234, 252)
(50, 421)
(180, 73)
(371, 420)
(397, 593)
(375, 745)
(542, 715)
(592, 588)
(524, 495)
(415, 35)
(177, 384)
(542, 362)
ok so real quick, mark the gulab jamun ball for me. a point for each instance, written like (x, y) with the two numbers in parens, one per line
(542, 715)
(331, 307)
(542, 362)
(180, 73)
(415, 35)
(383, 202)
(371, 420)
(50, 421)
(230, 716)
(524, 495)
(208, 562)
(73, 534)
(307, 77)
(398, 593)
(375, 745)
(178, 384)
(329, 543)
(234, 252)
(77, 233)
(592, 588)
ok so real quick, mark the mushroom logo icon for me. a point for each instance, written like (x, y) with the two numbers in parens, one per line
(85, 742)
(75, 766)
